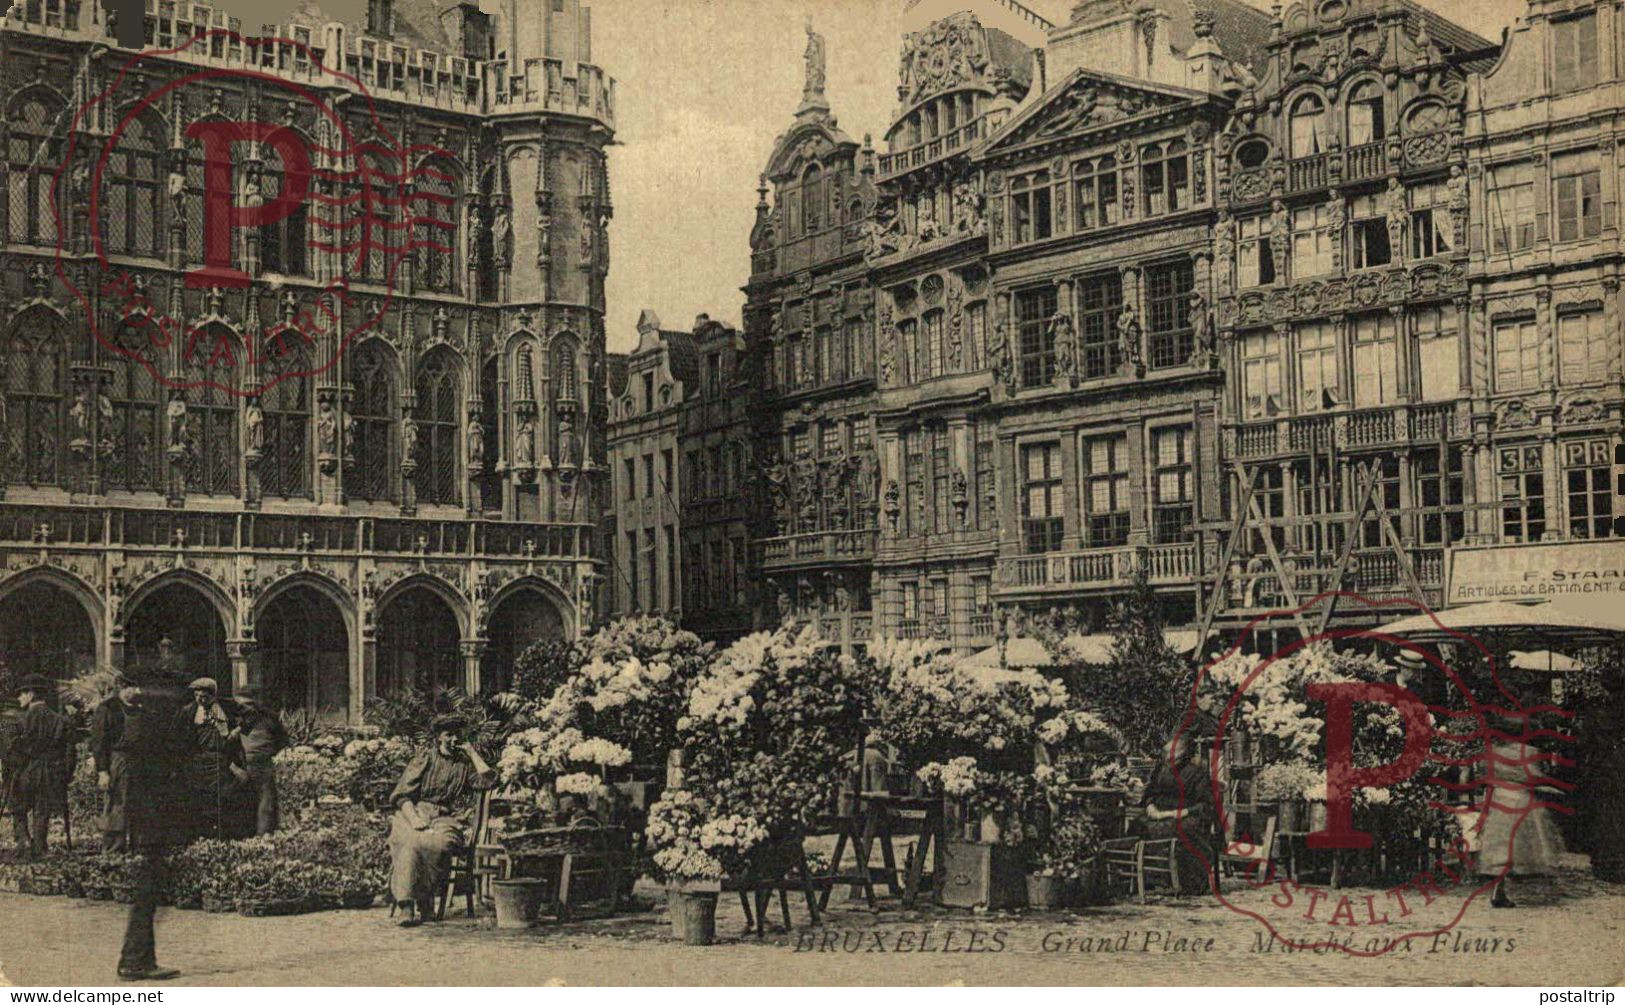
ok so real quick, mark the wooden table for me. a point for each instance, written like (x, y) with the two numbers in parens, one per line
(874, 822)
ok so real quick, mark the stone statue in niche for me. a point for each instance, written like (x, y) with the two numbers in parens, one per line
(928, 229)
(349, 437)
(567, 441)
(179, 440)
(524, 443)
(968, 218)
(1128, 338)
(1065, 340)
(501, 234)
(476, 444)
(409, 442)
(893, 504)
(254, 418)
(1398, 213)
(327, 428)
(998, 354)
(1201, 322)
(778, 484)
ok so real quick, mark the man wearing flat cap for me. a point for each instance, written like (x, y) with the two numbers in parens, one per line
(35, 766)
(260, 736)
(432, 814)
(212, 774)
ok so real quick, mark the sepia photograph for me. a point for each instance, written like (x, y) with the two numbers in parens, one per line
(807, 493)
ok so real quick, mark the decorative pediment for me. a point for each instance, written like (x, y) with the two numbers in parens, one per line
(948, 53)
(1085, 101)
(814, 141)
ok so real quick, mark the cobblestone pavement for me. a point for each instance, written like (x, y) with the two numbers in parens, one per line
(1566, 930)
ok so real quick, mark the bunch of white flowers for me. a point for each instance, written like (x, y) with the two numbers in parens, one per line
(578, 783)
(958, 778)
(601, 752)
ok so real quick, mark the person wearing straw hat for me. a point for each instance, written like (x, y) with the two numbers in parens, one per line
(431, 817)
(34, 766)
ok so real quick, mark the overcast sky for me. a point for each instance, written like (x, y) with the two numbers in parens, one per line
(704, 88)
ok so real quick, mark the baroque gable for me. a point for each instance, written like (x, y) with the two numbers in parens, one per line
(1085, 101)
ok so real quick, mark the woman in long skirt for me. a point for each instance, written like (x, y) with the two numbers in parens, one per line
(432, 816)
(1518, 836)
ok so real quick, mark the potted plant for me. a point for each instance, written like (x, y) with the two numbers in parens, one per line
(1288, 784)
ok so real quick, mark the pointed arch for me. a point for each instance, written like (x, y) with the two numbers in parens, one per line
(375, 380)
(284, 242)
(132, 218)
(285, 408)
(33, 157)
(137, 398)
(439, 417)
(50, 623)
(211, 366)
(436, 198)
(34, 381)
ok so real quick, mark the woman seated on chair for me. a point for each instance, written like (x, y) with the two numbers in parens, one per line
(1179, 805)
(432, 817)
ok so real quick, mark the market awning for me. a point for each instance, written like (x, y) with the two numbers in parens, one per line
(1545, 660)
(1547, 620)
(1018, 652)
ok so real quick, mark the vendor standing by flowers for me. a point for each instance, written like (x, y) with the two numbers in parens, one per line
(431, 818)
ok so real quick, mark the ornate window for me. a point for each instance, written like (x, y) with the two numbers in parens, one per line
(33, 154)
(284, 244)
(133, 220)
(941, 476)
(285, 405)
(1432, 232)
(1034, 311)
(1261, 375)
(439, 420)
(1171, 486)
(1312, 241)
(931, 332)
(1438, 351)
(369, 247)
(1105, 494)
(1165, 178)
(1588, 474)
(210, 369)
(34, 358)
(986, 501)
(1041, 498)
(1583, 346)
(1579, 203)
(1168, 292)
(137, 433)
(812, 199)
(1365, 114)
(1517, 355)
(1094, 186)
(434, 213)
(1376, 360)
(1030, 208)
(372, 373)
(1255, 256)
(1318, 386)
(1100, 300)
(1511, 208)
(1368, 234)
(1306, 127)
(1439, 483)
(1574, 52)
(564, 372)
(1523, 493)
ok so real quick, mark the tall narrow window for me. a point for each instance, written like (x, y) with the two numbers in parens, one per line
(137, 417)
(1588, 474)
(812, 199)
(941, 482)
(1168, 292)
(914, 503)
(1376, 360)
(1523, 493)
(1579, 205)
(1164, 178)
(372, 371)
(1034, 311)
(438, 423)
(1368, 234)
(1318, 386)
(1030, 207)
(1574, 52)
(435, 209)
(1105, 493)
(634, 600)
(1307, 127)
(369, 250)
(1440, 493)
(134, 222)
(1172, 494)
(284, 242)
(908, 361)
(1095, 192)
(33, 155)
(975, 334)
(1438, 351)
(285, 408)
(1517, 355)
(211, 410)
(1432, 232)
(1100, 300)
(1041, 498)
(931, 333)
(1261, 375)
(1365, 114)
(1584, 349)
(34, 375)
(1312, 239)
(1511, 209)
(1255, 255)
(987, 500)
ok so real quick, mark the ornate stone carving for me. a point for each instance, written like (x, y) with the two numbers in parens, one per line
(950, 51)
(1515, 414)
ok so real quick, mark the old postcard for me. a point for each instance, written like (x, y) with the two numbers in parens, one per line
(807, 492)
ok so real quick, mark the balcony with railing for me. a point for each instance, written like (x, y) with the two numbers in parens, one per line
(1362, 428)
(1368, 160)
(1095, 568)
(133, 527)
(1373, 573)
(1305, 173)
(935, 148)
(831, 547)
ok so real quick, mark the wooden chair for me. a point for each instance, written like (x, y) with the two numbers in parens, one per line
(602, 863)
(1241, 854)
(1123, 862)
(466, 868)
(1159, 857)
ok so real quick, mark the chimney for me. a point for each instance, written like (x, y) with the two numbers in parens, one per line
(381, 18)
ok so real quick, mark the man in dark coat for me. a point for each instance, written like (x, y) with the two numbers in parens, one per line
(261, 736)
(159, 815)
(35, 765)
(212, 773)
(106, 750)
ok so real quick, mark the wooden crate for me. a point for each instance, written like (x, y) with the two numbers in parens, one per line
(976, 874)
